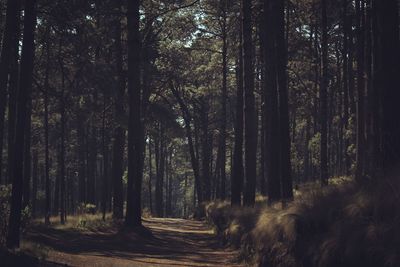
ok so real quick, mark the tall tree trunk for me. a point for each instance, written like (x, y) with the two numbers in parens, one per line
(119, 132)
(8, 50)
(188, 128)
(12, 106)
(249, 108)
(345, 71)
(237, 171)
(133, 209)
(62, 147)
(150, 177)
(46, 136)
(81, 155)
(271, 105)
(283, 99)
(221, 170)
(206, 149)
(369, 106)
(323, 97)
(35, 182)
(25, 85)
(360, 22)
(388, 81)
(26, 188)
(160, 161)
(105, 185)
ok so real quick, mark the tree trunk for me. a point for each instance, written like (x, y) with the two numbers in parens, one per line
(221, 170)
(62, 147)
(25, 85)
(206, 149)
(345, 71)
(119, 132)
(388, 81)
(9, 47)
(271, 105)
(249, 108)
(237, 171)
(105, 185)
(35, 182)
(46, 136)
(160, 161)
(323, 97)
(133, 209)
(150, 177)
(12, 106)
(26, 188)
(285, 164)
(194, 161)
(360, 18)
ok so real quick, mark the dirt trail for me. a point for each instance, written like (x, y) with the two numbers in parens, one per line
(175, 242)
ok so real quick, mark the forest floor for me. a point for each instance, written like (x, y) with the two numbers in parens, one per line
(172, 242)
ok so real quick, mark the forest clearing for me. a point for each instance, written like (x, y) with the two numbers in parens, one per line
(200, 133)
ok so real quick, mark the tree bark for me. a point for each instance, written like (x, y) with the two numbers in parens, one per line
(62, 147)
(388, 82)
(324, 98)
(237, 171)
(25, 85)
(249, 108)
(133, 209)
(360, 157)
(46, 136)
(8, 50)
(119, 132)
(271, 105)
(283, 98)
(12, 106)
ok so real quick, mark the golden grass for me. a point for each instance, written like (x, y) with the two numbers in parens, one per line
(340, 225)
(81, 222)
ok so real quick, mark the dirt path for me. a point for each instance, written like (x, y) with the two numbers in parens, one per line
(175, 242)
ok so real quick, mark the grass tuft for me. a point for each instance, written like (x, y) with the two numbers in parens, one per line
(340, 225)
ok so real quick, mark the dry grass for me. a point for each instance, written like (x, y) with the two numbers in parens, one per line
(341, 225)
(82, 222)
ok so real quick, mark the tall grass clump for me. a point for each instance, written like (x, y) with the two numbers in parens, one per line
(340, 225)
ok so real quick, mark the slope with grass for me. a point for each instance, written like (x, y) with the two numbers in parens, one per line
(338, 226)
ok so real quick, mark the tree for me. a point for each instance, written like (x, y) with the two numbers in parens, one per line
(7, 51)
(237, 172)
(360, 23)
(285, 152)
(133, 209)
(119, 132)
(271, 104)
(386, 72)
(323, 96)
(249, 107)
(25, 85)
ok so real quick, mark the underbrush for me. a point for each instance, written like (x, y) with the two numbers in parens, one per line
(340, 225)
(83, 222)
(26, 213)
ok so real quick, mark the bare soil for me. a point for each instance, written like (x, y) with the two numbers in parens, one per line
(165, 242)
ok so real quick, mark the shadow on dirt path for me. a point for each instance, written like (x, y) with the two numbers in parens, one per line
(174, 242)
